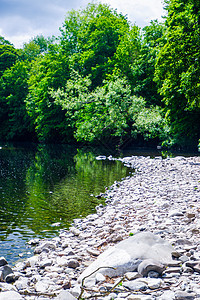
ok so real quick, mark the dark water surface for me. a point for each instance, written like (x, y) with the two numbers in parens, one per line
(43, 185)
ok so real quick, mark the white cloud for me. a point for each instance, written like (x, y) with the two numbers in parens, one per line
(21, 20)
(140, 12)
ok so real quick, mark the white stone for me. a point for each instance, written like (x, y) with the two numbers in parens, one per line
(41, 287)
(65, 295)
(61, 261)
(100, 277)
(10, 295)
(32, 261)
(154, 283)
(7, 287)
(22, 283)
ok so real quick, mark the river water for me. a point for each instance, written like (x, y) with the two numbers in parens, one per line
(43, 188)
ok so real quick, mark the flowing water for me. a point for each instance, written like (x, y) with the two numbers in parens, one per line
(43, 188)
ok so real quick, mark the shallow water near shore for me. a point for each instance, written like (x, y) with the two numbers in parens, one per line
(43, 188)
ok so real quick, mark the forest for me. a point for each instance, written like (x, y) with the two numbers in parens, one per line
(105, 80)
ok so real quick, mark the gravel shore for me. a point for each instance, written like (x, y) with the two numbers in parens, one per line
(161, 197)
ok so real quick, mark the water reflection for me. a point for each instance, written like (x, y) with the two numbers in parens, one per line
(50, 184)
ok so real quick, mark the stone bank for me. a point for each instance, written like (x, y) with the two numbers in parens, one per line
(99, 257)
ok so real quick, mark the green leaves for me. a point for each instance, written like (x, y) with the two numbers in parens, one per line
(8, 56)
(15, 123)
(91, 37)
(107, 111)
(105, 79)
(178, 70)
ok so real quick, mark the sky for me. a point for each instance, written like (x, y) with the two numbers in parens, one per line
(21, 20)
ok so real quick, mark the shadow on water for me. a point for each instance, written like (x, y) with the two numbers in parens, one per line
(46, 185)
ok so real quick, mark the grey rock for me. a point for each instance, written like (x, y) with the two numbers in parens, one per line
(183, 258)
(175, 213)
(46, 263)
(197, 268)
(89, 282)
(75, 231)
(76, 290)
(153, 274)
(73, 263)
(134, 297)
(132, 275)
(182, 295)
(32, 261)
(10, 278)
(46, 246)
(3, 261)
(62, 261)
(154, 283)
(148, 265)
(4, 271)
(183, 242)
(65, 244)
(93, 252)
(167, 295)
(134, 285)
(34, 242)
(172, 270)
(128, 254)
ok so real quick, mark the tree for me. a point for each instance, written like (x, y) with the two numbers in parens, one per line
(91, 37)
(35, 47)
(127, 53)
(3, 41)
(88, 42)
(108, 112)
(48, 71)
(143, 68)
(15, 122)
(8, 56)
(178, 70)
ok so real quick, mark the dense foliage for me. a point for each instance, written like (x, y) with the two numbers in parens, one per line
(178, 70)
(106, 80)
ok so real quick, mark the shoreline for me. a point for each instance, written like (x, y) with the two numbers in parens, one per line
(161, 197)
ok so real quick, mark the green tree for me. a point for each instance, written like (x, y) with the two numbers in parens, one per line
(88, 42)
(3, 41)
(8, 56)
(91, 37)
(143, 68)
(178, 70)
(15, 122)
(36, 46)
(48, 71)
(108, 112)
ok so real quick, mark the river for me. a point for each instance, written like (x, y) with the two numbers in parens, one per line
(43, 188)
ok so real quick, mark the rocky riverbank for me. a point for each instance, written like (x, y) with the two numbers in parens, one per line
(157, 209)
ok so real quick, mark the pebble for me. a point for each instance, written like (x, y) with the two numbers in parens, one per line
(162, 197)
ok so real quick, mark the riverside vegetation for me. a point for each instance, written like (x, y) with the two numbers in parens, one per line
(143, 245)
(106, 80)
